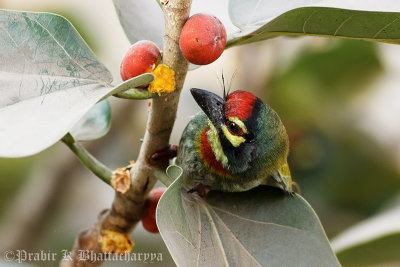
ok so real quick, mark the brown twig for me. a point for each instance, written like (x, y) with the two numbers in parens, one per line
(127, 208)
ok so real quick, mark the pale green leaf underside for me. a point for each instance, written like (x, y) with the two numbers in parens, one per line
(251, 12)
(261, 227)
(167, 177)
(141, 20)
(49, 79)
(94, 124)
(328, 22)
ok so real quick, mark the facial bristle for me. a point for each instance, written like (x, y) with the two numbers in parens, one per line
(223, 84)
(240, 104)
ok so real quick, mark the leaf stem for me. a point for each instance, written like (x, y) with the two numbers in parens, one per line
(132, 84)
(135, 93)
(129, 90)
(88, 159)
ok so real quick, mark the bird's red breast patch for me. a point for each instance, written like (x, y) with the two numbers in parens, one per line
(240, 104)
(208, 154)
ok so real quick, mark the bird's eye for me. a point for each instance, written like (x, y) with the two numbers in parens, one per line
(234, 128)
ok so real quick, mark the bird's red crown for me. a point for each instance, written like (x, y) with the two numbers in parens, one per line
(240, 104)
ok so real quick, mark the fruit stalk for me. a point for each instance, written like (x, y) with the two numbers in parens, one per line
(87, 159)
(127, 208)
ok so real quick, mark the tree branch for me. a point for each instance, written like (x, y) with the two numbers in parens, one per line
(126, 210)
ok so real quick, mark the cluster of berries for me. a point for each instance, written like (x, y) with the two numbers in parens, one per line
(202, 41)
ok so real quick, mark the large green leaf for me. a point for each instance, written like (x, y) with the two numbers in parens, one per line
(49, 79)
(250, 13)
(151, 18)
(374, 241)
(260, 227)
(141, 20)
(328, 22)
(216, 8)
(255, 13)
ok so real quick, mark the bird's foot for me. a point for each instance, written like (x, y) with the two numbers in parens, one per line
(168, 153)
(290, 193)
(296, 188)
(285, 183)
(291, 190)
(288, 190)
(200, 189)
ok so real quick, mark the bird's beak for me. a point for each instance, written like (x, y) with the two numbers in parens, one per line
(212, 105)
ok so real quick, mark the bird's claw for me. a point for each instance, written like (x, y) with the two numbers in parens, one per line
(200, 189)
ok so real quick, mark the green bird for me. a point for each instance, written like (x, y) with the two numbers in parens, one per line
(235, 144)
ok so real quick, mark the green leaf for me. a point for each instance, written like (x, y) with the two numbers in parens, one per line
(49, 79)
(373, 241)
(94, 124)
(168, 176)
(218, 9)
(260, 227)
(327, 22)
(174, 172)
(245, 14)
(141, 20)
(128, 88)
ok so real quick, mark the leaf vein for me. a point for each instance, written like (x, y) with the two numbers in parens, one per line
(386, 26)
(184, 238)
(214, 229)
(12, 39)
(253, 12)
(58, 43)
(343, 23)
(306, 21)
(258, 222)
(237, 240)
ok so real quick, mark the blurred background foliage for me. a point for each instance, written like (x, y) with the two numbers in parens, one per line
(343, 171)
(382, 250)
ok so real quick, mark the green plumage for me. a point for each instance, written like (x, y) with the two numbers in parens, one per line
(249, 165)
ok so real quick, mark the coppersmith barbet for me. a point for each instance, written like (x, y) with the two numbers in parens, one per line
(235, 144)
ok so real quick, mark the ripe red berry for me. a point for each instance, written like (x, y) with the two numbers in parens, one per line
(140, 58)
(203, 39)
(149, 216)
